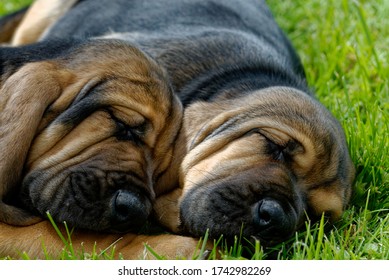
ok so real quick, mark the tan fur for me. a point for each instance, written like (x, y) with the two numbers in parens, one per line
(230, 153)
(40, 17)
(44, 87)
(33, 239)
(39, 92)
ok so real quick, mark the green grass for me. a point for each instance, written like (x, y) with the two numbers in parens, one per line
(344, 48)
(343, 45)
(11, 5)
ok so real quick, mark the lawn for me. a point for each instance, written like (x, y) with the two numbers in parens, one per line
(344, 48)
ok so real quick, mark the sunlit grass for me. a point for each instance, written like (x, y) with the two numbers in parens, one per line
(343, 46)
(11, 5)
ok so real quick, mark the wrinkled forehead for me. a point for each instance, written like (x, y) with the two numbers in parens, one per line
(131, 103)
(111, 75)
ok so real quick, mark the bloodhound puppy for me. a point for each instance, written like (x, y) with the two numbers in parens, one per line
(83, 139)
(256, 153)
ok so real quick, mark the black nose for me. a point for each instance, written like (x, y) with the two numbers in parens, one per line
(271, 219)
(130, 210)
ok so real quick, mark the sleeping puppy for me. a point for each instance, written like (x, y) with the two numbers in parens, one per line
(256, 151)
(86, 128)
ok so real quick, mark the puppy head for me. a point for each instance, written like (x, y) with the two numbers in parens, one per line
(262, 162)
(101, 135)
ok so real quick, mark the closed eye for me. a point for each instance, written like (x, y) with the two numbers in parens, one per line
(125, 132)
(275, 150)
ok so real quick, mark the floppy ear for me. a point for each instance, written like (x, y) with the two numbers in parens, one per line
(24, 97)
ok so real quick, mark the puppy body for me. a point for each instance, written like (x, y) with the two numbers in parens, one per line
(32, 239)
(250, 119)
(256, 149)
(39, 17)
